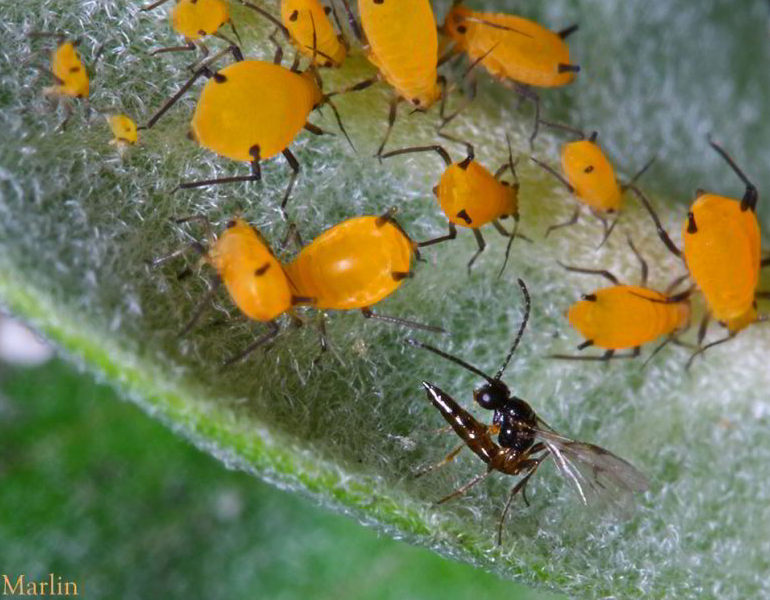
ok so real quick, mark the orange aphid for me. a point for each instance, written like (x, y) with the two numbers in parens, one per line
(71, 74)
(512, 47)
(308, 21)
(471, 196)
(353, 265)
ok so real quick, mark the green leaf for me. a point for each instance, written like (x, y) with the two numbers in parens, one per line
(77, 222)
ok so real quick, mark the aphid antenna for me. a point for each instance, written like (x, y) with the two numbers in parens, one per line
(496, 26)
(638, 174)
(269, 17)
(751, 195)
(662, 233)
(569, 128)
(520, 332)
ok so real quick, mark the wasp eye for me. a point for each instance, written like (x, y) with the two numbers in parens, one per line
(491, 396)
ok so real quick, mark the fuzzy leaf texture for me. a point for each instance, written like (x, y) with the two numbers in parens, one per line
(77, 222)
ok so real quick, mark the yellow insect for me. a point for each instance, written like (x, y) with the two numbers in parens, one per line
(471, 196)
(590, 177)
(621, 317)
(514, 50)
(123, 130)
(250, 111)
(306, 24)
(401, 40)
(722, 253)
(355, 265)
(71, 76)
(195, 20)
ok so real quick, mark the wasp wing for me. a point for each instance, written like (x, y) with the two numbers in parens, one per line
(596, 474)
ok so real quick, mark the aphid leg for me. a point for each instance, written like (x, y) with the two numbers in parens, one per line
(278, 56)
(676, 283)
(470, 96)
(68, 112)
(512, 236)
(450, 236)
(607, 227)
(700, 351)
(464, 488)
(670, 339)
(316, 130)
(578, 132)
(154, 5)
(703, 328)
(606, 357)
(189, 46)
(414, 149)
(642, 263)
(341, 35)
(260, 341)
(256, 175)
(481, 246)
(370, 314)
(161, 260)
(530, 465)
(354, 25)
(337, 117)
(470, 151)
(602, 272)
(445, 461)
(293, 236)
(531, 95)
(175, 98)
(324, 342)
(662, 233)
(294, 164)
(392, 113)
(204, 303)
(235, 32)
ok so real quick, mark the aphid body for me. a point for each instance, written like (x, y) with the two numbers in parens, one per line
(196, 19)
(627, 316)
(722, 253)
(471, 196)
(71, 74)
(253, 277)
(354, 264)
(511, 47)
(253, 109)
(305, 19)
(123, 130)
(403, 44)
(591, 175)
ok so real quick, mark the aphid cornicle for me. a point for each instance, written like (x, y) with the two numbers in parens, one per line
(471, 196)
(623, 317)
(524, 440)
(355, 265)
(250, 111)
(513, 49)
(590, 177)
(195, 20)
(254, 278)
(722, 253)
(401, 40)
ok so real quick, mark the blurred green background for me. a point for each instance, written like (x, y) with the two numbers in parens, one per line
(96, 492)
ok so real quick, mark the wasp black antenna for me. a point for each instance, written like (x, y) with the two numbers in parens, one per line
(450, 358)
(522, 327)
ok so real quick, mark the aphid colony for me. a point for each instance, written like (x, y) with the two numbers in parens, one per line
(252, 110)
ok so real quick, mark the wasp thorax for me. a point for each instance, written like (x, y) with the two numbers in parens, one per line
(492, 396)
